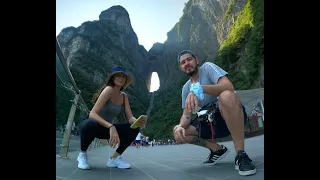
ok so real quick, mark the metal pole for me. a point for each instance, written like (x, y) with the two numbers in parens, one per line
(66, 138)
(262, 108)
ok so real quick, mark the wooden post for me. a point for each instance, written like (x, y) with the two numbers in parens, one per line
(66, 138)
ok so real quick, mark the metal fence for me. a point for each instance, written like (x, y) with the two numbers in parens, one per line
(77, 103)
(255, 121)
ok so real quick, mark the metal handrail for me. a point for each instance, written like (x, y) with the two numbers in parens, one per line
(65, 67)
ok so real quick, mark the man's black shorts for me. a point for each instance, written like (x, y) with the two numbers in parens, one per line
(220, 129)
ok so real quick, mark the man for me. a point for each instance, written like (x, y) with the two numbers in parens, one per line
(209, 84)
(138, 140)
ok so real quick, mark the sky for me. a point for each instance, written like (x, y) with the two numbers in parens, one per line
(155, 83)
(150, 19)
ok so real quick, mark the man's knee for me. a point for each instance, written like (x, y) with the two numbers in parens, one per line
(229, 99)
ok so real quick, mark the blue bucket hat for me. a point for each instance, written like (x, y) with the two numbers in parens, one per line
(120, 69)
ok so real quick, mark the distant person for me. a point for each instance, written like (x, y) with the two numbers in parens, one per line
(108, 104)
(147, 141)
(138, 140)
(144, 141)
(61, 130)
(73, 126)
(209, 86)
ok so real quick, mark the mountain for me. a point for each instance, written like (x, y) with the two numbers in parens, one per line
(227, 32)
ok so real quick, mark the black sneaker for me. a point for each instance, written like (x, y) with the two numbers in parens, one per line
(214, 157)
(243, 164)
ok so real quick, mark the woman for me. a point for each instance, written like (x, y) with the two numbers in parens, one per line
(107, 106)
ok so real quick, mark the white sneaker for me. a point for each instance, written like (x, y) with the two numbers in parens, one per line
(118, 162)
(82, 161)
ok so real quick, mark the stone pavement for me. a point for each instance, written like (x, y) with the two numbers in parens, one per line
(176, 162)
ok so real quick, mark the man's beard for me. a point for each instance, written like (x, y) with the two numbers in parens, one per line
(194, 72)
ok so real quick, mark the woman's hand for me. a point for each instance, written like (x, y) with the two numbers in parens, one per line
(142, 122)
(114, 137)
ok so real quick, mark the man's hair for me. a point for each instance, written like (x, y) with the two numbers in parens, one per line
(186, 52)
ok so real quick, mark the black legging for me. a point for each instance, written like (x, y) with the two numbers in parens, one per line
(90, 129)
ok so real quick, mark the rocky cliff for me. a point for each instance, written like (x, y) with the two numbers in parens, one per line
(223, 31)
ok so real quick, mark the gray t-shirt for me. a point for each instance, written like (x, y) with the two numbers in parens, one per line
(209, 73)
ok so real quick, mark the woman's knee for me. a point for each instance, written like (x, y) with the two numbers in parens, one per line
(88, 125)
(132, 134)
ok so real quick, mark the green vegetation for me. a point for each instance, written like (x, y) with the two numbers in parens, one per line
(229, 10)
(242, 54)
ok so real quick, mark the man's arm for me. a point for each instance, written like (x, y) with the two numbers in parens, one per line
(218, 78)
(215, 89)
